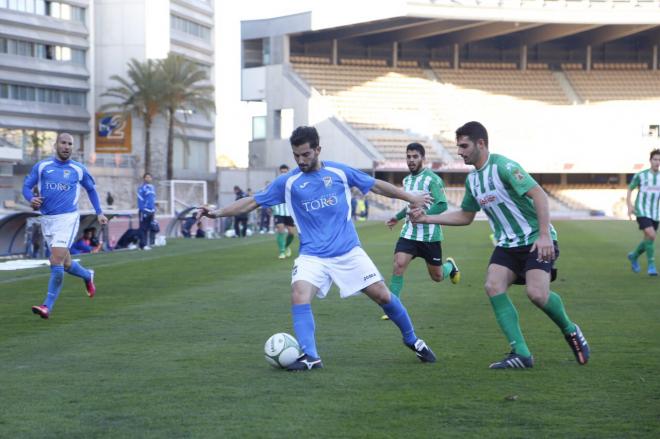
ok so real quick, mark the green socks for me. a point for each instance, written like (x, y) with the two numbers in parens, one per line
(641, 248)
(396, 285)
(554, 308)
(289, 239)
(507, 317)
(281, 241)
(650, 251)
(446, 269)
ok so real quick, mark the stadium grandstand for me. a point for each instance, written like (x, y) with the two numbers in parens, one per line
(568, 88)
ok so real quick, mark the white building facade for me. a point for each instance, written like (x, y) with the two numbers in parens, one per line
(56, 60)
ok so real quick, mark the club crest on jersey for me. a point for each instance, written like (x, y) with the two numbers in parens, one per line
(327, 181)
(515, 171)
(66, 173)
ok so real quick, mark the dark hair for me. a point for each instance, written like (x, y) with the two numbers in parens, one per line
(474, 130)
(416, 147)
(145, 175)
(284, 166)
(654, 152)
(303, 134)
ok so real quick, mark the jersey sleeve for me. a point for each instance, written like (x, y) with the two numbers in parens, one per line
(273, 194)
(634, 183)
(29, 182)
(364, 182)
(469, 203)
(437, 189)
(513, 174)
(90, 186)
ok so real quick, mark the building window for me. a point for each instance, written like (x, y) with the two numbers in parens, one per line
(191, 154)
(266, 51)
(190, 27)
(42, 94)
(37, 144)
(258, 127)
(42, 51)
(55, 9)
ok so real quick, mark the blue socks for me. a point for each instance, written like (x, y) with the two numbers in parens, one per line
(78, 270)
(303, 326)
(399, 315)
(54, 285)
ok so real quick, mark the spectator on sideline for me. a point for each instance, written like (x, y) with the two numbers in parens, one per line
(240, 220)
(146, 196)
(264, 217)
(88, 243)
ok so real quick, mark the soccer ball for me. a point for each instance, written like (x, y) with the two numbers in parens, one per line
(281, 350)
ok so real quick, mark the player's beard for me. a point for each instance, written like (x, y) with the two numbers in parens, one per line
(311, 166)
(414, 169)
(472, 158)
(63, 156)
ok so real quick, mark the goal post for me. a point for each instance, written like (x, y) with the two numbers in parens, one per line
(183, 194)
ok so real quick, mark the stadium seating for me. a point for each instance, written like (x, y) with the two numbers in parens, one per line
(620, 84)
(382, 103)
(595, 199)
(391, 107)
(505, 80)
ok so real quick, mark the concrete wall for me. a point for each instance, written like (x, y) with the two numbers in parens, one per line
(254, 178)
(284, 89)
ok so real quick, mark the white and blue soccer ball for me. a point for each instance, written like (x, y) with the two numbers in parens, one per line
(281, 350)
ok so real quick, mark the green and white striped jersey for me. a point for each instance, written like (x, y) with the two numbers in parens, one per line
(647, 203)
(429, 182)
(280, 210)
(499, 188)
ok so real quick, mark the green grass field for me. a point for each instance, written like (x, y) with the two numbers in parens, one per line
(172, 346)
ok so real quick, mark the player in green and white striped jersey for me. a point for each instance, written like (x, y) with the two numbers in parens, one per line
(423, 240)
(284, 225)
(647, 211)
(518, 212)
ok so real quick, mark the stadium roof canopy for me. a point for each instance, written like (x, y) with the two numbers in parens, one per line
(447, 22)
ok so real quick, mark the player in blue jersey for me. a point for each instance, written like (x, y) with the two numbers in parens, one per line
(318, 196)
(146, 197)
(58, 180)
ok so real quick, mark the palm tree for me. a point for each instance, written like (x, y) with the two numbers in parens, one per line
(185, 89)
(140, 95)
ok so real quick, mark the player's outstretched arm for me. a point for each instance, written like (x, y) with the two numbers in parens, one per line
(454, 218)
(243, 205)
(381, 187)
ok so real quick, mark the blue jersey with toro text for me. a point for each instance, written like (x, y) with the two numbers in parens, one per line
(320, 204)
(59, 184)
